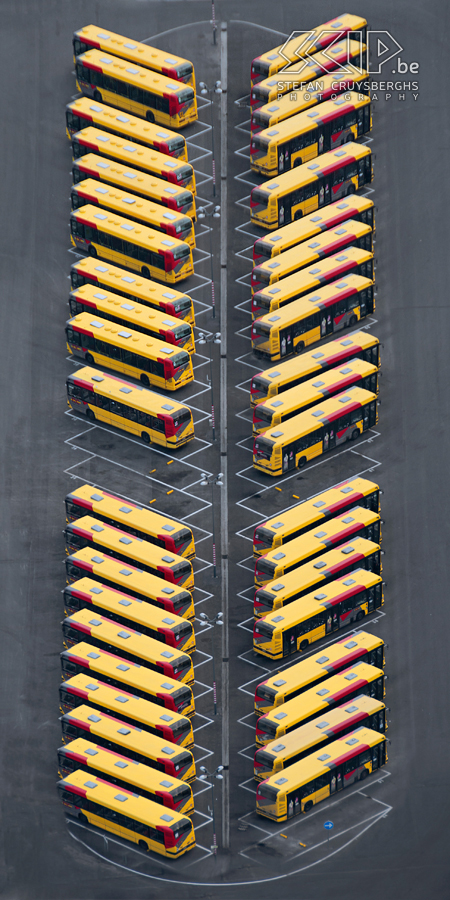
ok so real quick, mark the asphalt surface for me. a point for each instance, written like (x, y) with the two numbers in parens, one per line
(402, 853)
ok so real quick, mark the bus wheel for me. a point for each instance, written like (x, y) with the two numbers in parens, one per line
(143, 845)
(92, 251)
(309, 805)
(363, 775)
(355, 435)
(145, 437)
(90, 414)
(89, 359)
(352, 322)
(149, 116)
(145, 272)
(298, 215)
(300, 347)
(352, 189)
(304, 645)
(98, 97)
(359, 615)
(302, 462)
(82, 817)
(145, 380)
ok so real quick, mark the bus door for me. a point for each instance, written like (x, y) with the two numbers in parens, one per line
(363, 121)
(362, 304)
(375, 757)
(289, 641)
(288, 459)
(332, 621)
(336, 782)
(285, 341)
(284, 158)
(293, 803)
(323, 139)
(284, 210)
(329, 437)
(372, 412)
(362, 170)
(326, 323)
(324, 190)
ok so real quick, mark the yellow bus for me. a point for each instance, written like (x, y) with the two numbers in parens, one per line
(357, 554)
(301, 397)
(315, 277)
(339, 305)
(145, 250)
(109, 571)
(357, 522)
(137, 744)
(92, 37)
(138, 209)
(172, 630)
(310, 134)
(152, 362)
(300, 191)
(346, 57)
(140, 318)
(360, 678)
(91, 532)
(83, 112)
(353, 207)
(345, 600)
(140, 290)
(275, 757)
(132, 645)
(335, 29)
(155, 97)
(84, 755)
(135, 710)
(175, 198)
(100, 397)
(93, 140)
(167, 692)
(284, 105)
(341, 419)
(144, 523)
(321, 774)
(95, 801)
(350, 233)
(289, 683)
(291, 523)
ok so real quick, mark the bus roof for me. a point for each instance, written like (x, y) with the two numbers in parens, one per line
(111, 118)
(119, 306)
(116, 225)
(330, 410)
(321, 114)
(317, 38)
(127, 282)
(328, 242)
(128, 204)
(143, 54)
(115, 147)
(284, 106)
(313, 390)
(310, 171)
(315, 273)
(302, 229)
(137, 75)
(112, 386)
(103, 662)
(141, 183)
(120, 336)
(327, 502)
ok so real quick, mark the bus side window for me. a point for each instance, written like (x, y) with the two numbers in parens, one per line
(116, 408)
(102, 402)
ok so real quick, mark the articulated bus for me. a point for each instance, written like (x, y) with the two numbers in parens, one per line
(148, 415)
(150, 588)
(293, 372)
(315, 184)
(140, 318)
(155, 97)
(84, 755)
(337, 605)
(360, 678)
(347, 57)
(275, 756)
(353, 207)
(341, 419)
(167, 692)
(138, 209)
(145, 250)
(357, 522)
(144, 523)
(132, 710)
(140, 290)
(91, 532)
(176, 199)
(278, 689)
(137, 744)
(315, 277)
(172, 630)
(132, 645)
(310, 134)
(336, 29)
(95, 801)
(92, 37)
(357, 554)
(286, 104)
(301, 397)
(351, 233)
(152, 362)
(93, 140)
(321, 775)
(291, 523)
(83, 112)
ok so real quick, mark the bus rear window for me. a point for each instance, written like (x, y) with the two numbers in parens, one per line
(181, 252)
(184, 199)
(180, 360)
(184, 173)
(175, 145)
(186, 96)
(181, 417)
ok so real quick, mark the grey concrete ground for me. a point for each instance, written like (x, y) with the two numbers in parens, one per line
(391, 840)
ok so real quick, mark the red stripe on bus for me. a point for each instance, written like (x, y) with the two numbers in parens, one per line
(349, 755)
(352, 685)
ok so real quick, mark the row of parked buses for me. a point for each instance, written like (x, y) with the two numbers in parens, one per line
(126, 764)
(318, 565)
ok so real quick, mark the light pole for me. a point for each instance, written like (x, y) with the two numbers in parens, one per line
(215, 214)
(212, 775)
(215, 90)
(214, 620)
(212, 480)
(212, 339)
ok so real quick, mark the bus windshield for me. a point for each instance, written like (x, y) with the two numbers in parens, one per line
(260, 200)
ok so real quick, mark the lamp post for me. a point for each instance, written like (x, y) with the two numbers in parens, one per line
(212, 775)
(212, 480)
(212, 620)
(215, 214)
(212, 339)
(217, 89)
